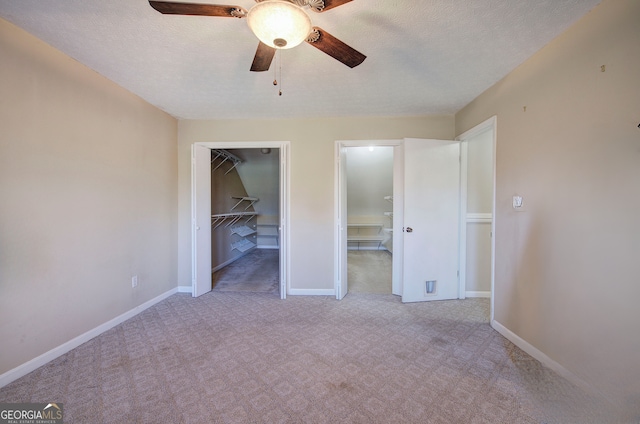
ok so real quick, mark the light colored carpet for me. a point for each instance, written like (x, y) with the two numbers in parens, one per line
(369, 271)
(257, 271)
(231, 357)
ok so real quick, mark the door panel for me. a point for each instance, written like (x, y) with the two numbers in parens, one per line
(201, 219)
(431, 220)
(284, 213)
(342, 224)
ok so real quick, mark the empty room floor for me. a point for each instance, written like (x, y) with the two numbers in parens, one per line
(233, 357)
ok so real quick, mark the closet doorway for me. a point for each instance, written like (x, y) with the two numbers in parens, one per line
(369, 180)
(240, 216)
(429, 169)
(368, 206)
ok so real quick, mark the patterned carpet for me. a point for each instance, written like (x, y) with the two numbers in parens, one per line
(233, 357)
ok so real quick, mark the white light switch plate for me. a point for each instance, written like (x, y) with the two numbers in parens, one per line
(517, 202)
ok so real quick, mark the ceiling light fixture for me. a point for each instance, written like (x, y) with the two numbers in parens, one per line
(279, 23)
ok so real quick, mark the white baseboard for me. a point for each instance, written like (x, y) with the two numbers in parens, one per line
(540, 356)
(56, 352)
(185, 289)
(483, 294)
(311, 292)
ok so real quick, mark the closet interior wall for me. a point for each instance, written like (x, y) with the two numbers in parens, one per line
(260, 174)
(369, 198)
(226, 191)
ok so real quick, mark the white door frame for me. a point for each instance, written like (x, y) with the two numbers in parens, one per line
(464, 138)
(340, 247)
(285, 173)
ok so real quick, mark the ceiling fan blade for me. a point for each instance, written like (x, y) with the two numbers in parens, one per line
(336, 48)
(172, 8)
(330, 4)
(262, 59)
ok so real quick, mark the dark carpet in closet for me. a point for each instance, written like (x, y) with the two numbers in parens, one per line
(257, 271)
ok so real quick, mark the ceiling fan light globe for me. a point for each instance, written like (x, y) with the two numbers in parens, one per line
(279, 24)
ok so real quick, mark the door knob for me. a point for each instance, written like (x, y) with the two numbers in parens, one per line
(409, 230)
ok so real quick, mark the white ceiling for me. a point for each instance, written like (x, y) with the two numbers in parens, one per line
(423, 57)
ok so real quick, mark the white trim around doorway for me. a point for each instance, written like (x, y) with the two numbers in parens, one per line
(285, 201)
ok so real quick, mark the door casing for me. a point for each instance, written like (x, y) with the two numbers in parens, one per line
(285, 262)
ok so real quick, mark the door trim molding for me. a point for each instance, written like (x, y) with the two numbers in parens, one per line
(479, 218)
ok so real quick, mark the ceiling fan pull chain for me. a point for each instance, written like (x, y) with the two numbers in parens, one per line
(275, 70)
(280, 68)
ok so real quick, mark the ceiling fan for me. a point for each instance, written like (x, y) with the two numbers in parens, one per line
(278, 24)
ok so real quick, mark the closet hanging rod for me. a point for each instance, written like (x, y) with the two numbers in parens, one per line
(220, 164)
(232, 168)
(226, 155)
(218, 154)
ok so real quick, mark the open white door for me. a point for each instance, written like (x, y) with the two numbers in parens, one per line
(342, 286)
(283, 231)
(431, 220)
(201, 219)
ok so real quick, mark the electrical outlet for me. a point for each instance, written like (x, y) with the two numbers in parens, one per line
(134, 281)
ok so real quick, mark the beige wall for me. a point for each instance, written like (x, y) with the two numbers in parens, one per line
(369, 180)
(480, 173)
(312, 178)
(479, 200)
(88, 189)
(567, 266)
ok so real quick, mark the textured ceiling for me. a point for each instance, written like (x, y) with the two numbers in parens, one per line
(423, 57)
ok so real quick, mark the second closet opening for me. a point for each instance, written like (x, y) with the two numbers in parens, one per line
(369, 218)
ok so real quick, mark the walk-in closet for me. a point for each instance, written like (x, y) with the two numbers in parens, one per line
(244, 221)
(369, 218)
